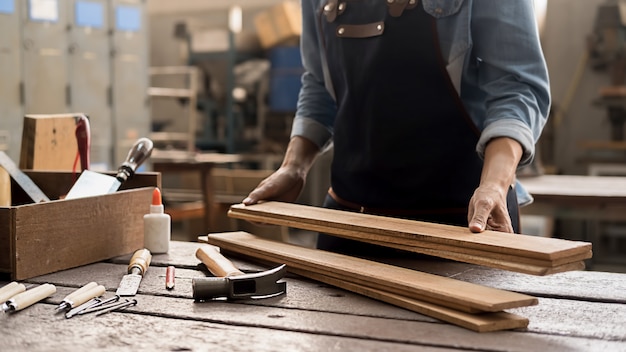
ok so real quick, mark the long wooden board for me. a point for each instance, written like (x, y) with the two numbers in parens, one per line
(406, 282)
(484, 322)
(310, 271)
(490, 248)
(490, 259)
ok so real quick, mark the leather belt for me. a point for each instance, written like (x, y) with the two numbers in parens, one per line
(390, 211)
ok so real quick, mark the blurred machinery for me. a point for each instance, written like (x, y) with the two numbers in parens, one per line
(607, 52)
(233, 86)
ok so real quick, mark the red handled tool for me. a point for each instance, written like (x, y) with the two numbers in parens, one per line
(83, 139)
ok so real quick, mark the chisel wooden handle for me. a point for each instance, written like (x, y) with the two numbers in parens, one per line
(82, 297)
(10, 290)
(81, 290)
(217, 264)
(140, 261)
(30, 297)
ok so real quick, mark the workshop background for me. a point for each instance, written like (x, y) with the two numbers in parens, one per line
(222, 76)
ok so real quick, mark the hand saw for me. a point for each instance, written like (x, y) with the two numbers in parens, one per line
(33, 191)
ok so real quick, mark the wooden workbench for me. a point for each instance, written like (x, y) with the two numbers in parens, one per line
(577, 197)
(592, 200)
(577, 311)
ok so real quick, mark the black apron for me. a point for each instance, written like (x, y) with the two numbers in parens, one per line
(404, 144)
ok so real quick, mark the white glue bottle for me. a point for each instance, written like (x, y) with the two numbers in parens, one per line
(157, 230)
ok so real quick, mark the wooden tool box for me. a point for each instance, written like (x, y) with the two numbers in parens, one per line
(42, 238)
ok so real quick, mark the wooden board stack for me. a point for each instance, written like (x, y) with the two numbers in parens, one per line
(514, 252)
(472, 306)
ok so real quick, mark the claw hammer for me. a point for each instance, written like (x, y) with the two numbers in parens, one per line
(231, 282)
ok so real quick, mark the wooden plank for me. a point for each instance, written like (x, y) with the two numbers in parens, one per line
(485, 322)
(161, 329)
(171, 323)
(499, 261)
(311, 271)
(302, 216)
(315, 309)
(512, 265)
(492, 259)
(48, 142)
(407, 282)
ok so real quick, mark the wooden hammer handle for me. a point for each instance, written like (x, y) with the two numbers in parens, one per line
(217, 264)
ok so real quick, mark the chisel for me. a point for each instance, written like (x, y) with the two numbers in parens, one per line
(10, 290)
(91, 183)
(82, 295)
(29, 297)
(138, 266)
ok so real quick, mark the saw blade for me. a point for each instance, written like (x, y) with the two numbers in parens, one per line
(31, 189)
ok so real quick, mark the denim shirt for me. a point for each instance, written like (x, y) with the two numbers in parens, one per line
(494, 59)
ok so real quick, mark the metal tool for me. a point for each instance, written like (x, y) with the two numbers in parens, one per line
(231, 282)
(33, 191)
(119, 306)
(29, 297)
(92, 183)
(10, 290)
(138, 266)
(82, 295)
(90, 306)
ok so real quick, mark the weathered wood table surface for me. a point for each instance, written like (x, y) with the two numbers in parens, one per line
(577, 311)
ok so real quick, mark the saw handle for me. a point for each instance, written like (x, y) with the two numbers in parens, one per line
(217, 264)
(140, 261)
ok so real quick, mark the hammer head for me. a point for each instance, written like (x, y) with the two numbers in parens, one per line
(256, 285)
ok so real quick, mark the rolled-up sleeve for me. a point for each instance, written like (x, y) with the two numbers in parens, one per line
(316, 107)
(511, 72)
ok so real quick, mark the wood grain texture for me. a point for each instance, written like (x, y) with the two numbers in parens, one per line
(61, 234)
(316, 316)
(527, 254)
(403, 281)
(6, 236)
(485, 322)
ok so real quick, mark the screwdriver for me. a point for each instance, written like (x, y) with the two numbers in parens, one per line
(10, 290)
(82, 295)
(29, 297)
